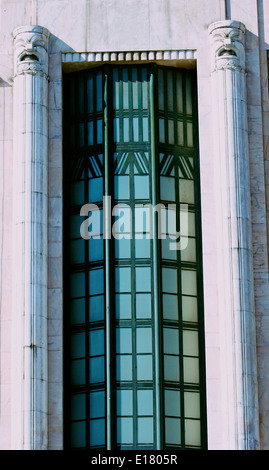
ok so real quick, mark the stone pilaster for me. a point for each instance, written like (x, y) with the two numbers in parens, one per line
(236, 289)
(30, 182)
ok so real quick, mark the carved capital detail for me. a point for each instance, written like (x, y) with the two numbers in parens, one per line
(227, 45)
(31, 50)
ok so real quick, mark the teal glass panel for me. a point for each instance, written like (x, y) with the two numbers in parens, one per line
(144, 402)
(143, 306)
(77, 251)
(78, 345)
(144, 340)
(189, 253)
(97, 404)
(99, 131)
(145, 81)
(170, 307)
(75, 222)
(97, 369)
(124, 369)
(116, 94)
(78, 375)
(143, 279)
(124, 340)
(141, 186)
(167, 253)
(172, 403)
(167, 188)
(192, 432)
(160, 89)
(96, 281)
(99, 91)
(171, 368)
(90, 133)
(116, 130)
(172, 431)
(123, 306)
(145, 127)
(77, 193)
(90, 94)
(170, 341)
(77, 285)
(96, 249)
(124, 402)
(122, 248)
(179, 92)
(96, 339)
(170, 281)
(144, 367)
(180, 133)
(142, 248)
(161, 130)
(188, 282)
(122, 187)
(96, 308)
(171, 132)
(125, 88)
(77, 311)
(125, 430)
(145, 430)
(97, 432)
(123, 279)
(126, 129)
(135, 129)
(96, 190)
(78, 434)
(170, 89)
(78, 407)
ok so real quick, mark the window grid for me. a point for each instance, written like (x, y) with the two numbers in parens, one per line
(175, 128)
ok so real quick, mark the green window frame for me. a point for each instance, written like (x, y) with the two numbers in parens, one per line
(134, 365)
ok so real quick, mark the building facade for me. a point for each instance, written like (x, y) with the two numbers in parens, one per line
(128, 127)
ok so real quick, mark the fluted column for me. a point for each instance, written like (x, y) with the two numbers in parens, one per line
(236, 287)
(30, 182)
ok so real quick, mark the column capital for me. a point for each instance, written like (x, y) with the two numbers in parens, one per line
(31, 50)
(227, 45)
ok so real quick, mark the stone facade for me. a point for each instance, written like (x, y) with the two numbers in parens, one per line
(227, 42)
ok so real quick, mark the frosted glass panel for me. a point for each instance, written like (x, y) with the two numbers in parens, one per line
(189, 253)
(192, 404)
(188, 282)
(191, 370)
(186, 191)
(189, 309)
(192, 433)
(190, 343)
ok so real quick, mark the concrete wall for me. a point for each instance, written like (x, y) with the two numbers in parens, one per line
(130, 25)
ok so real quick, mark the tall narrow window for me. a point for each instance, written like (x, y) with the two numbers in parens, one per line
(134, 355)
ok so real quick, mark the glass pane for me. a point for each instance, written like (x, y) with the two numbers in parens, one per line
(90, 94)
(170, 307)
(189, 309)
(145, 430)
(123, 306)
(143, 279)
(97, 369)
(144, 367)
(192, 433)
(116, 130)
(186, 191)
(191, 370)
(96, 281)
(188, 95)
(172, 431)
(171, 136)
(90, 133)
(97, 432)
(78, 345)
(77, 285)
(96, 307)
(192, 405)
(161, 131)
(75, 222)
(99, 124)
(135, 130)
(189, 253)
(171, 368)
(143, 340)
(145, 128)
(142, 248)
(97, 404)
(116, 88)
(122, 248)
(77, 311)
(124, 340)
(170, 90)
(169, 278)
(81, 135)
(78, 434)
(189, 134)
(96, 249)
(172, 403)
(143, 306)
(125, 88)
(125, 430)
(179, 93)
(188, 282)
(77, 193)
(126, 129)
(170, 341)
(99, 92)
(78, 376)
(123, 279)
(167, 253)
(124, 368)
(190, 343)
(167, 188)
(191, 224)
(96, 338)
(124, 402)
(78, 406)
(135, 87)
(141, 186)
(96, 190)
(145, 402)
(160, 89)
(180, 133)
(122, 189)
